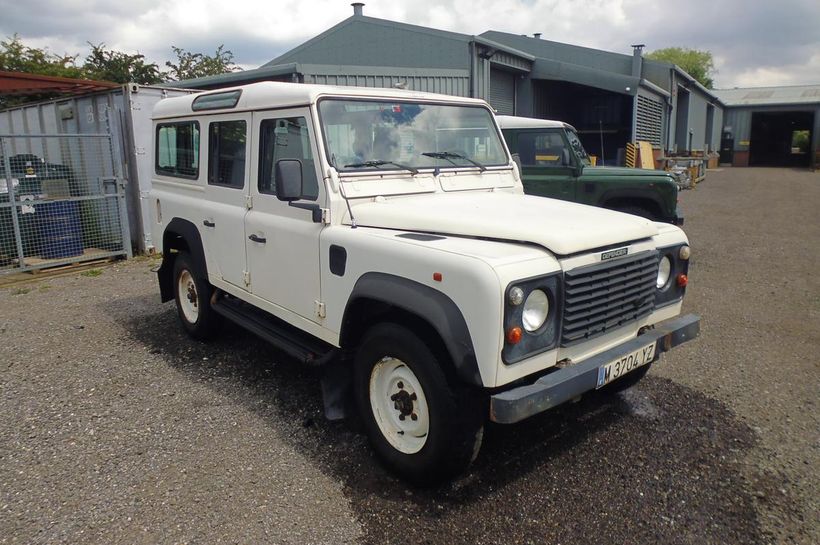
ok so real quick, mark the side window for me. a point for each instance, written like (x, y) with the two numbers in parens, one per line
(226, 153)
(546, 148)
(286, 138)
(177, 149)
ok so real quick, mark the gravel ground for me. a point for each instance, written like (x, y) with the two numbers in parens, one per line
(116, 428)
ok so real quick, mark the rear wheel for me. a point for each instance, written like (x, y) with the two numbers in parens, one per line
(421, 427)
(193, 296)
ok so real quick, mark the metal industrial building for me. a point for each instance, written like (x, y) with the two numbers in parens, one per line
(611, 98)
(771, 126)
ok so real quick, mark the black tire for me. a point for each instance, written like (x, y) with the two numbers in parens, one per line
(627, 381)
(206, 322)
(456, 415)
(636, 210)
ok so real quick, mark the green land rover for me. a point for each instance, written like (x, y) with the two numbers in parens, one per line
(554, 164)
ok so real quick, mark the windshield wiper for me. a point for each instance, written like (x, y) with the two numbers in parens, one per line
(449, 155)
(374, 164)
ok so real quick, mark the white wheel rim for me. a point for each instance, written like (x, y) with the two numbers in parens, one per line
(188, 296)
(399, 405)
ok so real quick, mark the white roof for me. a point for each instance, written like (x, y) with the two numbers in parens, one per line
(275, 94)
(765, 96)
(515, 122)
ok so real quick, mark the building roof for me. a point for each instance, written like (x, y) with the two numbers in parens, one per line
(294, 54)
(770, 96)
(267, 94)
(20, 83)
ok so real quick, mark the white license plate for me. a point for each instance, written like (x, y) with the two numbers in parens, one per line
(623, 365)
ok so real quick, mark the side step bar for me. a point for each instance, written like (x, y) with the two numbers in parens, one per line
(290, 340)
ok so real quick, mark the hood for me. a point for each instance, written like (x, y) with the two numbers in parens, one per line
(624, 171)
(561, 227)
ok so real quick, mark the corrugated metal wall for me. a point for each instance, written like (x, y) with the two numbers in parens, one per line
(457, 84)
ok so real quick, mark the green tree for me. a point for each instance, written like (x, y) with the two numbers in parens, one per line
(196, 65)
(109, 65)
(698, 64)
(15, 56)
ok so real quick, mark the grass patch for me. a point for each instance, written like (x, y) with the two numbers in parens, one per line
(44, 287)
(92, 272)
(20, 291)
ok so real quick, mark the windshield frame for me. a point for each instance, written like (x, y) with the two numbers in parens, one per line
(380, 171)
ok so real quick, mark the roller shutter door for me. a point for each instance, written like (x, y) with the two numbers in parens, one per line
(502, 92)
(649, 122)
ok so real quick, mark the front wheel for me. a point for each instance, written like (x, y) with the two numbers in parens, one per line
(193, 294)
(421, 427)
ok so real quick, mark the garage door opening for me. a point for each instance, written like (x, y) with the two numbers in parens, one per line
(603, 118)
(781, 139)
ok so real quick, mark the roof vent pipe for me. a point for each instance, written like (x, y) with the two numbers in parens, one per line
(358, 8)
(637, 60)
(537, 35)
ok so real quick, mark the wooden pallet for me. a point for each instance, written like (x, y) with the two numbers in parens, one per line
(83, 260)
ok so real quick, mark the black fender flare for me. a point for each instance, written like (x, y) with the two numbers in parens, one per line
(427, 303)
(177, 229)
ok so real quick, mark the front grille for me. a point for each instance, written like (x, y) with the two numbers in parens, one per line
(602, 297)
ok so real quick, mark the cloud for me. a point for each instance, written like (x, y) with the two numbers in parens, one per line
(754, 43)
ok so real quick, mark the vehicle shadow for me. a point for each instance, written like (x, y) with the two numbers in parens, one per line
(659, 464)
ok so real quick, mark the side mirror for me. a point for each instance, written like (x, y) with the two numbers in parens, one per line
(289, 179)
(517, 160)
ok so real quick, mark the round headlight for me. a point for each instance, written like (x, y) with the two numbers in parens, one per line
(664, 270)
(536, 309)
(684, 252)
(516, 296)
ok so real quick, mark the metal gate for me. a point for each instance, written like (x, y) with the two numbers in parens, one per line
(62, 201)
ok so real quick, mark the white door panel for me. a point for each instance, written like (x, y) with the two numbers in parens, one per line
(283, 261)
(226, 190)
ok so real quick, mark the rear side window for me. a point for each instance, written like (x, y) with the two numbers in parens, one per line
(226, 153)
(543, 149)
(286, 138)
(177, 152)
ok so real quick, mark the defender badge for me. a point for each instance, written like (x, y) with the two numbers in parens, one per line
(612, 254)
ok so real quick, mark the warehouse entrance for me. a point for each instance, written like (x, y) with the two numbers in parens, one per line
(602, 118)
(781, 139)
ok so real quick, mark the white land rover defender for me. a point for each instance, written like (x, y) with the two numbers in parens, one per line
(385, 234)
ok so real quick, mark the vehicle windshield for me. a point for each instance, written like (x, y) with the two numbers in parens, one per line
(580, 152)
(363, 135)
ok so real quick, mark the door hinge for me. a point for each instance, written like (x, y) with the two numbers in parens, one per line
(319, 308)
(246, 276)
(325, 216)
(248, 202)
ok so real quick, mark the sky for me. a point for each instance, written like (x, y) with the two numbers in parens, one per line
(754, 42)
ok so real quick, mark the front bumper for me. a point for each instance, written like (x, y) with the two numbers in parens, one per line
(567, 383)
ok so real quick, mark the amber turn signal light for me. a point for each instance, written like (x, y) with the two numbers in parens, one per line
(514, 335)
(683, 280)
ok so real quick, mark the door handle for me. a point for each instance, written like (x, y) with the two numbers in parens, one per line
(208, 223)
(260, 240)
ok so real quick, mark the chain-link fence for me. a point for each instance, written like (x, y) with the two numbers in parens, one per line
(61, 201)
